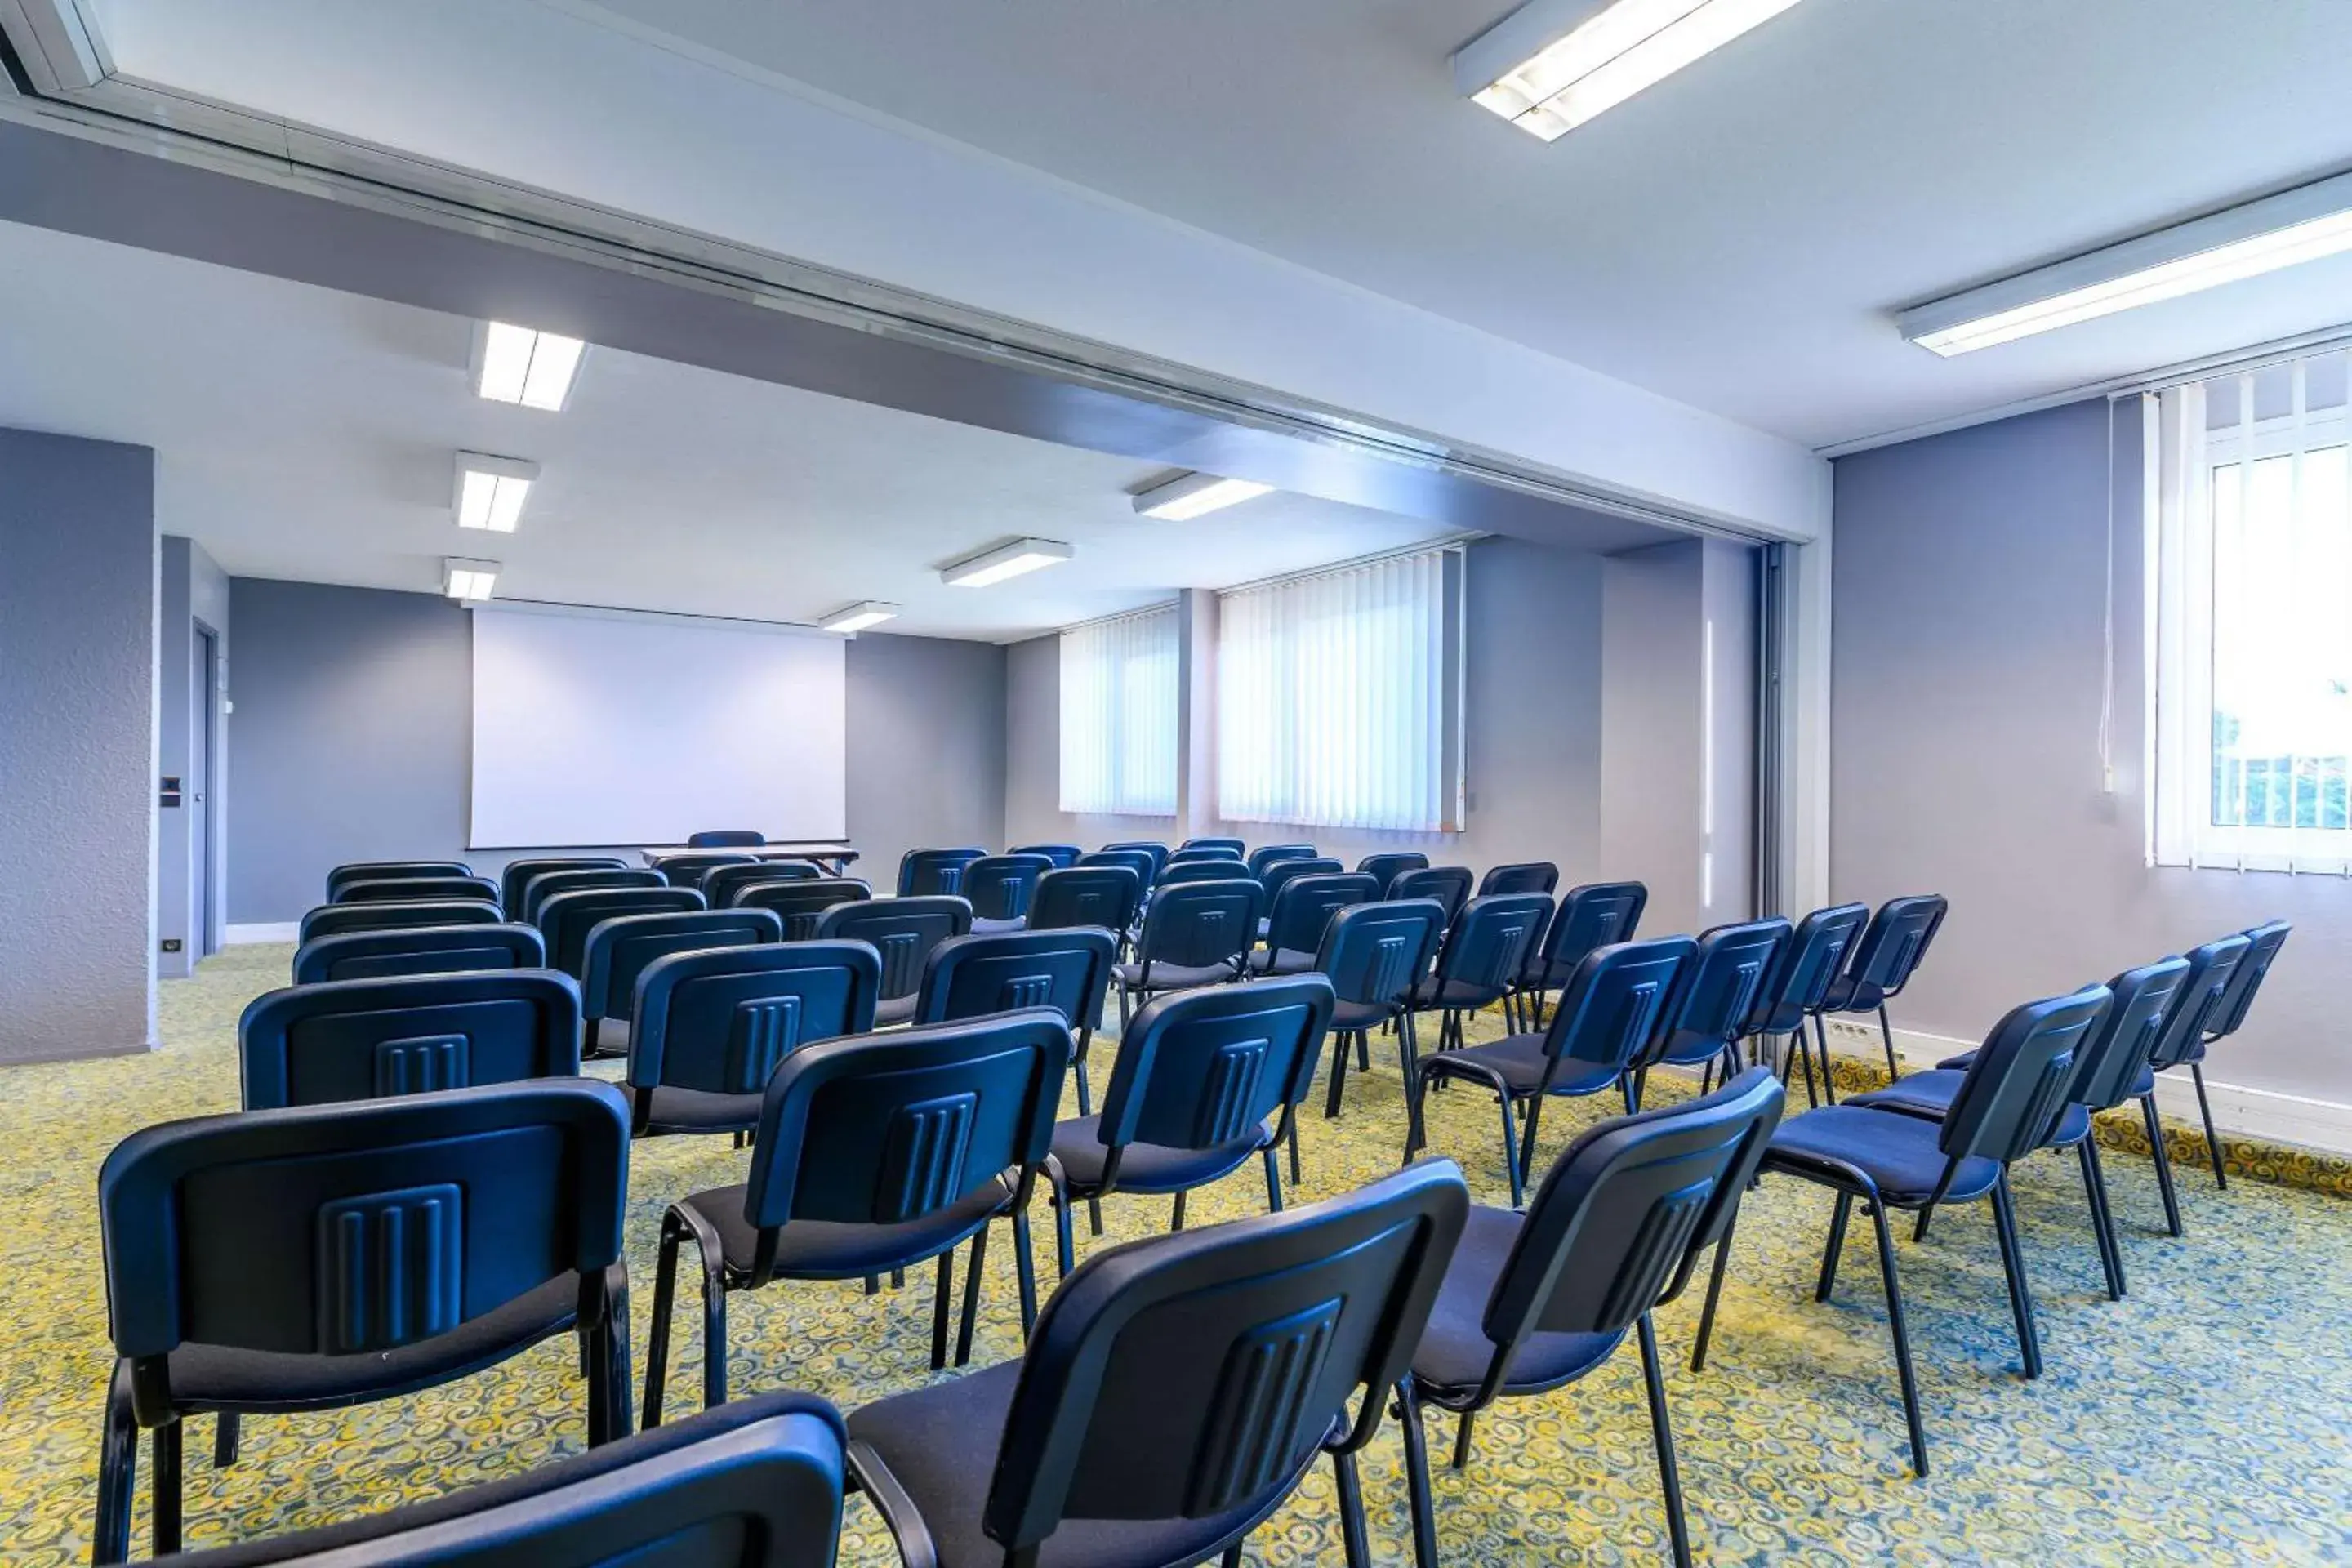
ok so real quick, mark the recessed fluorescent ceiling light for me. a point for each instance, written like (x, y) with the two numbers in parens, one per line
(491, 491)
(857, 617)
(469, 582)
(1005, 561)
(1196, 495)
(1552, 65)
(2285, 230)
(516, 364)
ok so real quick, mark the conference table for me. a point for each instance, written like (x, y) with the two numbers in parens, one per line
(829, 852)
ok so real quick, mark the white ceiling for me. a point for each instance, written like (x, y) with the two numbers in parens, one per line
(1738, 238)
(306, 434)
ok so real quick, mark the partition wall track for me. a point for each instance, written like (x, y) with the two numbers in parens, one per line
(1771, 741)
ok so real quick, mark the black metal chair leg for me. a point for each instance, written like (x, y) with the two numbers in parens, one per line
(2012, 1262)
(1065, 1239)
(1233, 1557)
(1834, 1246)
(2095, 1174)
(1527, 1139)
(1714, 1295)
(2212, 1138)
(1510, 1147)
(1887, 1035)
(1273, 1183)
(2094, 1194)
(1364, 1050)
(1465, 1431)
(714, 1321)
(971, 1295)
(224, 1439)
(1919, 1230)
(1409, 1064)
(657, 1339)
(1663, 1432)
(1352, 1533)
(1801, 1050)
(1176, 1213)
(1290, 1136)
(1902, 1337)
(1423, 1504)
(118, 1473)
(1339, 1079)
(1025, 1262)
(1086, 1094)
(618, 1375)
(166, 1499)
(1094, 1215)
(2163, 1158)
(1829, 1078)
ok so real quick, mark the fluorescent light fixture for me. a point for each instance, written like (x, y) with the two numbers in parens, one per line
(2285, 230)
(491, 491)
(858, 617)
(1005, 561)
(517, 364)
(1196, 495)
(469, 582)
(1551, 65)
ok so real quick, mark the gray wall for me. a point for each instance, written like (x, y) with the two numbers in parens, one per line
(194, 592)
(355, 711)
(78, 606)
(1967, 653)
(1651, 787)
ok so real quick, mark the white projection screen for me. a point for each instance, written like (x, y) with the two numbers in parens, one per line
(594, 729)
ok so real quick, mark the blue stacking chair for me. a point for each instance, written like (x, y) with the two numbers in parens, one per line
(719, 883)
(565, 920)
(617, 951)
(801, 902)
(1141, 861)
(1387, 866)
(686, 871)
(1611, 1016)
(2012, 1093)
(418, 949)
(1811, 964)
(1105, 896)
(335, 919)
(1205, 1079)
(1520, 876)
(1207, 868)
(999, 889)
(1151, 849)
(876, 1153)
(1066, 969)
(1299, 914)
(381, 870)
(1266, 855)
(2264, 942)
(710, 1027)
(1486, 946)
(1175, 1391)
(417, 890)
(1449, 885)
(1374, 954)
(756, 1484)
(516, 878)
(726, 839)
(1716, 1006)
(1277, 875)
(1884, 963)
(903, 931)
(1538, 1301)
(1236, 848)
(1194, 933)
(1594, 915)
(1063, 856)
(930, 873)
(320, 1257)
(1194, 855)
(362, 1039)
(547, 884)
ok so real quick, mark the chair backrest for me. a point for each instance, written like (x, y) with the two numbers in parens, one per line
(2212, 970)
(999, 887)
(800, 903)
(1449, 885)
(1266, 855)
(1195, 923)
(1199, 1373)
(1202, 1067)
(1105, 896)
(1386, 867)
(2264, 942)
(516, 878)
(903, 931)
(356, 1228)
(1157, 851)
(418, 949)
(333, 919)
(617, 950)
(547, 884)
(1622, 1216)
(1520, 876)
(363, 1039)
(1234, 846)
(928, 873)
(1488, 943)
(416, 891)
(1894, 945)
(726, 839)
(2014, 1090)
(1212, 868)
(1061, 854)
(720, 883)
(1728, 976)
(1591, 915)
(381, 870)
(1193, 854)
(688, 870)
(566, 919)
(1810, 965)
(1141, 861)
(2107, 1061)
(1298, 915)
(1066, 969)
(756, 1483)
(718, 1020)
(1281, 873)
(884, 1129)
(1373, 952)
(1615, 1007)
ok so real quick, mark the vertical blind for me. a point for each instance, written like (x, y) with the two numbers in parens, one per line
(1119, 716)
(1339, 699)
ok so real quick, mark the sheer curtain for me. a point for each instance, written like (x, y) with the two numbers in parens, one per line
(2250, 518)
(1338, 697)
(1118, 715)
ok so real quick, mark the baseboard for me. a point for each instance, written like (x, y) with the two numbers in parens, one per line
(244, 935)
(37, 1058)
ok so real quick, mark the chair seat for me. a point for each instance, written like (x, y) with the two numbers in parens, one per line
(1172, 976)
(612, 1038)
(896, 1010)
(1359, 1016)
(700, 1111)
(940, 1445)
(1454, 1352)
(218, 1377)
(1897, 1152)
(983, 926)
(1519, 1060)
(1146, 1167)
(1281, 961)
(1431, 992)
(1847, 995)
(1932, 1094)
(829, 1250)
(2143, 1083)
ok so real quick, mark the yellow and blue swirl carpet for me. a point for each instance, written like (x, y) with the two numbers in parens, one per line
(2206, 1419)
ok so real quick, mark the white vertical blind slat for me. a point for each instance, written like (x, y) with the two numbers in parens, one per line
(1119, 716)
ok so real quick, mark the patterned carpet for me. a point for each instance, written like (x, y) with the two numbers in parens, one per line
(2207, 1418)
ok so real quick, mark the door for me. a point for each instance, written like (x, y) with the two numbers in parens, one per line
(204, 738)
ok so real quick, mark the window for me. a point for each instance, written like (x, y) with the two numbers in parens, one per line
(1119, 716)
(1338, 697)
(2252, 524)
